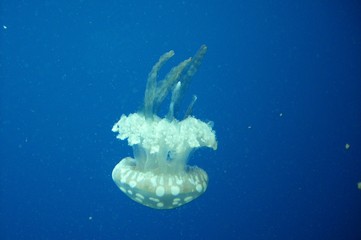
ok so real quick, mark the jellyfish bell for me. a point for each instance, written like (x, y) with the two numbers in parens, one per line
(158, 176)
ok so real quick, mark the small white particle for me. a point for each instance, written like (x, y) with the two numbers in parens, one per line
(5, 27)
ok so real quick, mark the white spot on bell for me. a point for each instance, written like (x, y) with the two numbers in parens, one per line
(154, 199)
(138, 199)
(139, 195)
(188, 199)
(159, 191)
(174, 190)
(132, 184)
(154, 181)
(160, 204)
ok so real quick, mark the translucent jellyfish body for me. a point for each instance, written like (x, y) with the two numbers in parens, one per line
(158, 176)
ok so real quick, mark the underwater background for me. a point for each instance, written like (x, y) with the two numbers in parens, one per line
(281, 81)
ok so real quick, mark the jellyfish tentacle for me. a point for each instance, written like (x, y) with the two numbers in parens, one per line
(175, 96)
(168, 82)
(190, 107)
(151, 88)
(193, 67)
(154, 94)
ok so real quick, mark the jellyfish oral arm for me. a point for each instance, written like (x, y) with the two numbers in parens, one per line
(169, 142)
(158, 176)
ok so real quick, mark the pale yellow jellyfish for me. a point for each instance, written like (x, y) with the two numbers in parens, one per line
(158, 176)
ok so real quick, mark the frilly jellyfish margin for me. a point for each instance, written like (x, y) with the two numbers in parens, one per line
(158, 176)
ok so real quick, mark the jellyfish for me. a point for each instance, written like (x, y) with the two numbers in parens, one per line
(158, 175)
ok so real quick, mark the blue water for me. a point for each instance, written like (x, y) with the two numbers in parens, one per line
(281, 81)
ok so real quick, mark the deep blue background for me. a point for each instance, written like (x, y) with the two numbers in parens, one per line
(281, 80)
